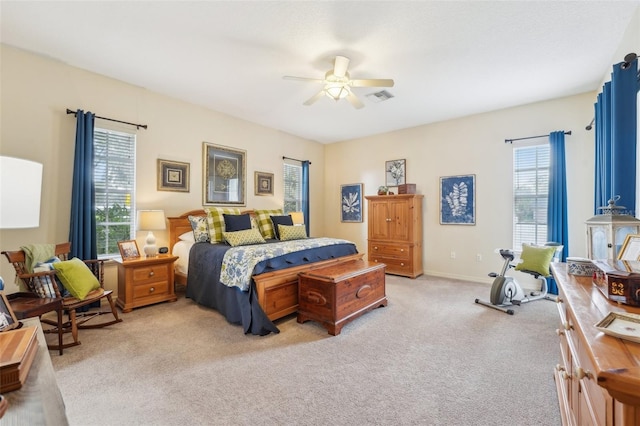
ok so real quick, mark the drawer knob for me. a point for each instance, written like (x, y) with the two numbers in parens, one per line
(375, 248)
(152, 289)
(401, 250)
(151, 273)
(581, 373)
(401, 264)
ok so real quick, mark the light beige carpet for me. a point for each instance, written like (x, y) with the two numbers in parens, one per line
(431, 357)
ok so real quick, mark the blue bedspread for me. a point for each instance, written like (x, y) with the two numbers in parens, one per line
(242, 307)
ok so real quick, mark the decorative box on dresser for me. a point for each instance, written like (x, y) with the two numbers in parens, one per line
(598, 377)
(145, 281)
(395, 233)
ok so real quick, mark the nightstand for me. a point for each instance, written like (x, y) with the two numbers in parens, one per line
(145, 281)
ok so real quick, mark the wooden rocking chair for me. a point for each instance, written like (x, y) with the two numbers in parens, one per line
(36, 282)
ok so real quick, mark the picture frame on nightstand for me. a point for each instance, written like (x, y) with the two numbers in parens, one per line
(8, 320)
(129, 249)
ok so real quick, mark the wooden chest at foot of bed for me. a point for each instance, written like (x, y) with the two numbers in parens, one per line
(338, 294)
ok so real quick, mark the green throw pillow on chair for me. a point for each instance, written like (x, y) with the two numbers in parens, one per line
(536, 259)
(76, 277)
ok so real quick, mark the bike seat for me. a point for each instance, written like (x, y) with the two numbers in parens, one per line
(507, 254)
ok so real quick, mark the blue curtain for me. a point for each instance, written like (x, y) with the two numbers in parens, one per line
(616, 138)
(557, 223)
(305, 194)
(82, 230)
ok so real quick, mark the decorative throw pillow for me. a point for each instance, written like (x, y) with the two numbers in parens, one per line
(280, 220)
(45, 287)
(215, 219)
(200, 228)
(295, 232)
(244, 237)
(236, 222)
(536, 259)
(264, 221)
(76, 277)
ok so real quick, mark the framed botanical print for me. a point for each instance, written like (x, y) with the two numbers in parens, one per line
(263, 183)
(351, 202)
(224, 175)
(395, 172)
(173, 176)
(458, 200)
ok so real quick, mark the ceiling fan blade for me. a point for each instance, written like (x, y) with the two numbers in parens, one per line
(340, 66)
(314, 98)
(353, 100)
(290, 77)
(372, 82)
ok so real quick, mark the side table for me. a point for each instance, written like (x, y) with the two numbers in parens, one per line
(145, 281)
(29, 305)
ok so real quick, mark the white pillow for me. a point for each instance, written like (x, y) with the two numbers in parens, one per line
(187, 236)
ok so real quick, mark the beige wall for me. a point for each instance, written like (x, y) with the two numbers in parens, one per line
(470, 145)
(36, 92)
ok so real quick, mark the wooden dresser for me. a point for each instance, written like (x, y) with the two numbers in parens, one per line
(145, 281)
(598, 376)
(395, 233)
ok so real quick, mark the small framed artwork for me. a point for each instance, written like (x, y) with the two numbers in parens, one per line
(458, 200)
(351, 202)
(395, 172)
(263, 183)
(128, 249)
(8, 320)
(224, 175)
(630, 249)
(173, 176)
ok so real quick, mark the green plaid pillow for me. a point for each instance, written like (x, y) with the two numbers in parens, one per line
(244, 237)
(264, 221)
(295, 232)
(215, 221)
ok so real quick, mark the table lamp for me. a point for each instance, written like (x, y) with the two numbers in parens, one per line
(20, 188)
(151, 220)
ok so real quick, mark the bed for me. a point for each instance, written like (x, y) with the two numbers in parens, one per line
(273, 291)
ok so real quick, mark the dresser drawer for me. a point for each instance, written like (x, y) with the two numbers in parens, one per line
(144, 274)
(394, 266)
(396, 251)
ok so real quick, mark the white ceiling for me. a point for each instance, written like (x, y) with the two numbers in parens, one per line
(448, 58)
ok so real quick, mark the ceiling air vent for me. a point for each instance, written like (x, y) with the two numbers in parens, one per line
(380, 96)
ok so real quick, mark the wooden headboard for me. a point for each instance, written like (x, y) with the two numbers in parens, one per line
(178, 225)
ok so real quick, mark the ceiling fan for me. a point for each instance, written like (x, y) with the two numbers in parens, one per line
(338, 83)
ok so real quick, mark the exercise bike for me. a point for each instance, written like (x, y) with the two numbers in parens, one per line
(505, 290)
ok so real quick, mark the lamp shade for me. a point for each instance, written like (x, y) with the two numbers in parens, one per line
(151, 220)
(20, 189)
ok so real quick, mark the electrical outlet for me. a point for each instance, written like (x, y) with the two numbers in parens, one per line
(478, 257)
(453, 254)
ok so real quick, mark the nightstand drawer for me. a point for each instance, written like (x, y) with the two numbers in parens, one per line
(150, 289)
(151, 272)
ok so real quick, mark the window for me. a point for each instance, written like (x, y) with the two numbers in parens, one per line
(530, 194)
(115, 182)
(292, 186)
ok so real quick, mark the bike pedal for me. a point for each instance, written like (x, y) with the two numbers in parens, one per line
(516, 302)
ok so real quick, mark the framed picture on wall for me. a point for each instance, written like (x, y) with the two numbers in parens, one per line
(224, 177)
(173, 176)
(395, 172)
(263, 183)
(351, 202)
(458, 200)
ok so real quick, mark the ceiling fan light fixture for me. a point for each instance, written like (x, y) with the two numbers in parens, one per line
(336, 91)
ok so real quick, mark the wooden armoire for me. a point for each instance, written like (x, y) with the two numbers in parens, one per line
(395, 233)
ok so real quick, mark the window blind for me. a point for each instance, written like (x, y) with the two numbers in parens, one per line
(114, 179)
(292, 186)
(530, 194)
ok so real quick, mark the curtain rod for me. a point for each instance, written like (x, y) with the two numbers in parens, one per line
(531, 137)
(144, 126)
(295, 159)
